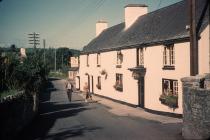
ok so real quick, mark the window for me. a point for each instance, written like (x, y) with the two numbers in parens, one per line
(87, 62)
(99, 82)
(119, 82)
(98, 60)
(168, 57)
(169, 94)
(170, 87)
(140, 57)
(119, 59)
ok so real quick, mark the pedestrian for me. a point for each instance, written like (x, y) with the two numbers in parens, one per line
(86, 91)
(69, 88)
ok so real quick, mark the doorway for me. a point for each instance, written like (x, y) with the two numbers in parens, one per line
(141, 92)
(92, 84)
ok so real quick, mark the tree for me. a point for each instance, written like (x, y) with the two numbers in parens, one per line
(63, 55)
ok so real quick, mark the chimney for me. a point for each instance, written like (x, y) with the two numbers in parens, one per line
(132, 12)
(100, 26)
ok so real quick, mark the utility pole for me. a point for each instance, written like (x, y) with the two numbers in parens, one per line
(55, 59)
(193, 39)
(62, 60)
(34, 39)
(44, 43)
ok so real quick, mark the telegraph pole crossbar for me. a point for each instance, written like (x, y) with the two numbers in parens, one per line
(34, 39)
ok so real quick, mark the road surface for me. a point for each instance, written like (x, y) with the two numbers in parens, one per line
(60, 119)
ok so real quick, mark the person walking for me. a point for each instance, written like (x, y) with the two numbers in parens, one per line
(69, 88)
(86, 91)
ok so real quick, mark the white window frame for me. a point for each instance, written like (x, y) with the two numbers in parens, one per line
(98, 59)
(119, 61)
(174, 88)
(169, 55)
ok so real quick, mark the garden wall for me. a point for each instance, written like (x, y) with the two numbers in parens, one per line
(196, 107)
(16, 112)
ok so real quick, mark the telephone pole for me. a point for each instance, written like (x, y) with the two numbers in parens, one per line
(44, 43)
(34, 39)
(194, 31)
(55, 59)
(62, 60)
(193, 39)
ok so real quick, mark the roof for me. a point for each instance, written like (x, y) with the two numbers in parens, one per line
(166, 24)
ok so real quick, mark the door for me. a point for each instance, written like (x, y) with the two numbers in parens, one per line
(141, 91)
(78, 83)
(92, 85)
(89, 82)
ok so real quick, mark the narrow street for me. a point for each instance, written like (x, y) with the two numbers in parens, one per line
(60, 119)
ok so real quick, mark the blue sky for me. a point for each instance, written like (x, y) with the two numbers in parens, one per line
(69, 23)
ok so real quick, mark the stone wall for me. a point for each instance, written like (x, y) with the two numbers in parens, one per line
(16, 112)
(196, 107)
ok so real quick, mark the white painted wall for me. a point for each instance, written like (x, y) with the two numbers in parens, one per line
(74, 61)
(155, 73)
(108, 62)
(23, 52)
(203, 52)
(153, 61)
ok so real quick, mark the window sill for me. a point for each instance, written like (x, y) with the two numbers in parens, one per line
(168, 67)
(118, 66)
(120, 90)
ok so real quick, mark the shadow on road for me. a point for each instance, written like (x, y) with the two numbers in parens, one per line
(49, 113)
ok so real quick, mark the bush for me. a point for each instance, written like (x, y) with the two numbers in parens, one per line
(23, 74)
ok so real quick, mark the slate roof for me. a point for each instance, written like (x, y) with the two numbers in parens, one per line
(166, 24)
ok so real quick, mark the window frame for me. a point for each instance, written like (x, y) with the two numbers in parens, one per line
(87, 60)
(173, 86)
(169, 57)
(98, 59)
(119, 85)
(140, 57)
(119, 60)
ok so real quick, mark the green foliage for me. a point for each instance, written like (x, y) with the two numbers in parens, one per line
(22, 73)
(58, 75)
(7, 93)
(62, 57)
(169, 100)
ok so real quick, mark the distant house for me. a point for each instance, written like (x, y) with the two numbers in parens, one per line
(141, 61)
(22, 52)
(73, 70)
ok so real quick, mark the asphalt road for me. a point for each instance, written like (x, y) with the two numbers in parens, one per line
(60, 119)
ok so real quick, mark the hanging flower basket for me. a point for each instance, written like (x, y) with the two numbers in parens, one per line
(169, 100)
(118, 87)
(103, 72)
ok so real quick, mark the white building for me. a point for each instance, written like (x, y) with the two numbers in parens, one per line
(141, 61)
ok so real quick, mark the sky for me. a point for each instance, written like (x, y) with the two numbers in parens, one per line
(62, 23)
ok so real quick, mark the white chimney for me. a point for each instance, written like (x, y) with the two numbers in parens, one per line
(100, 26)
(132, 12)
